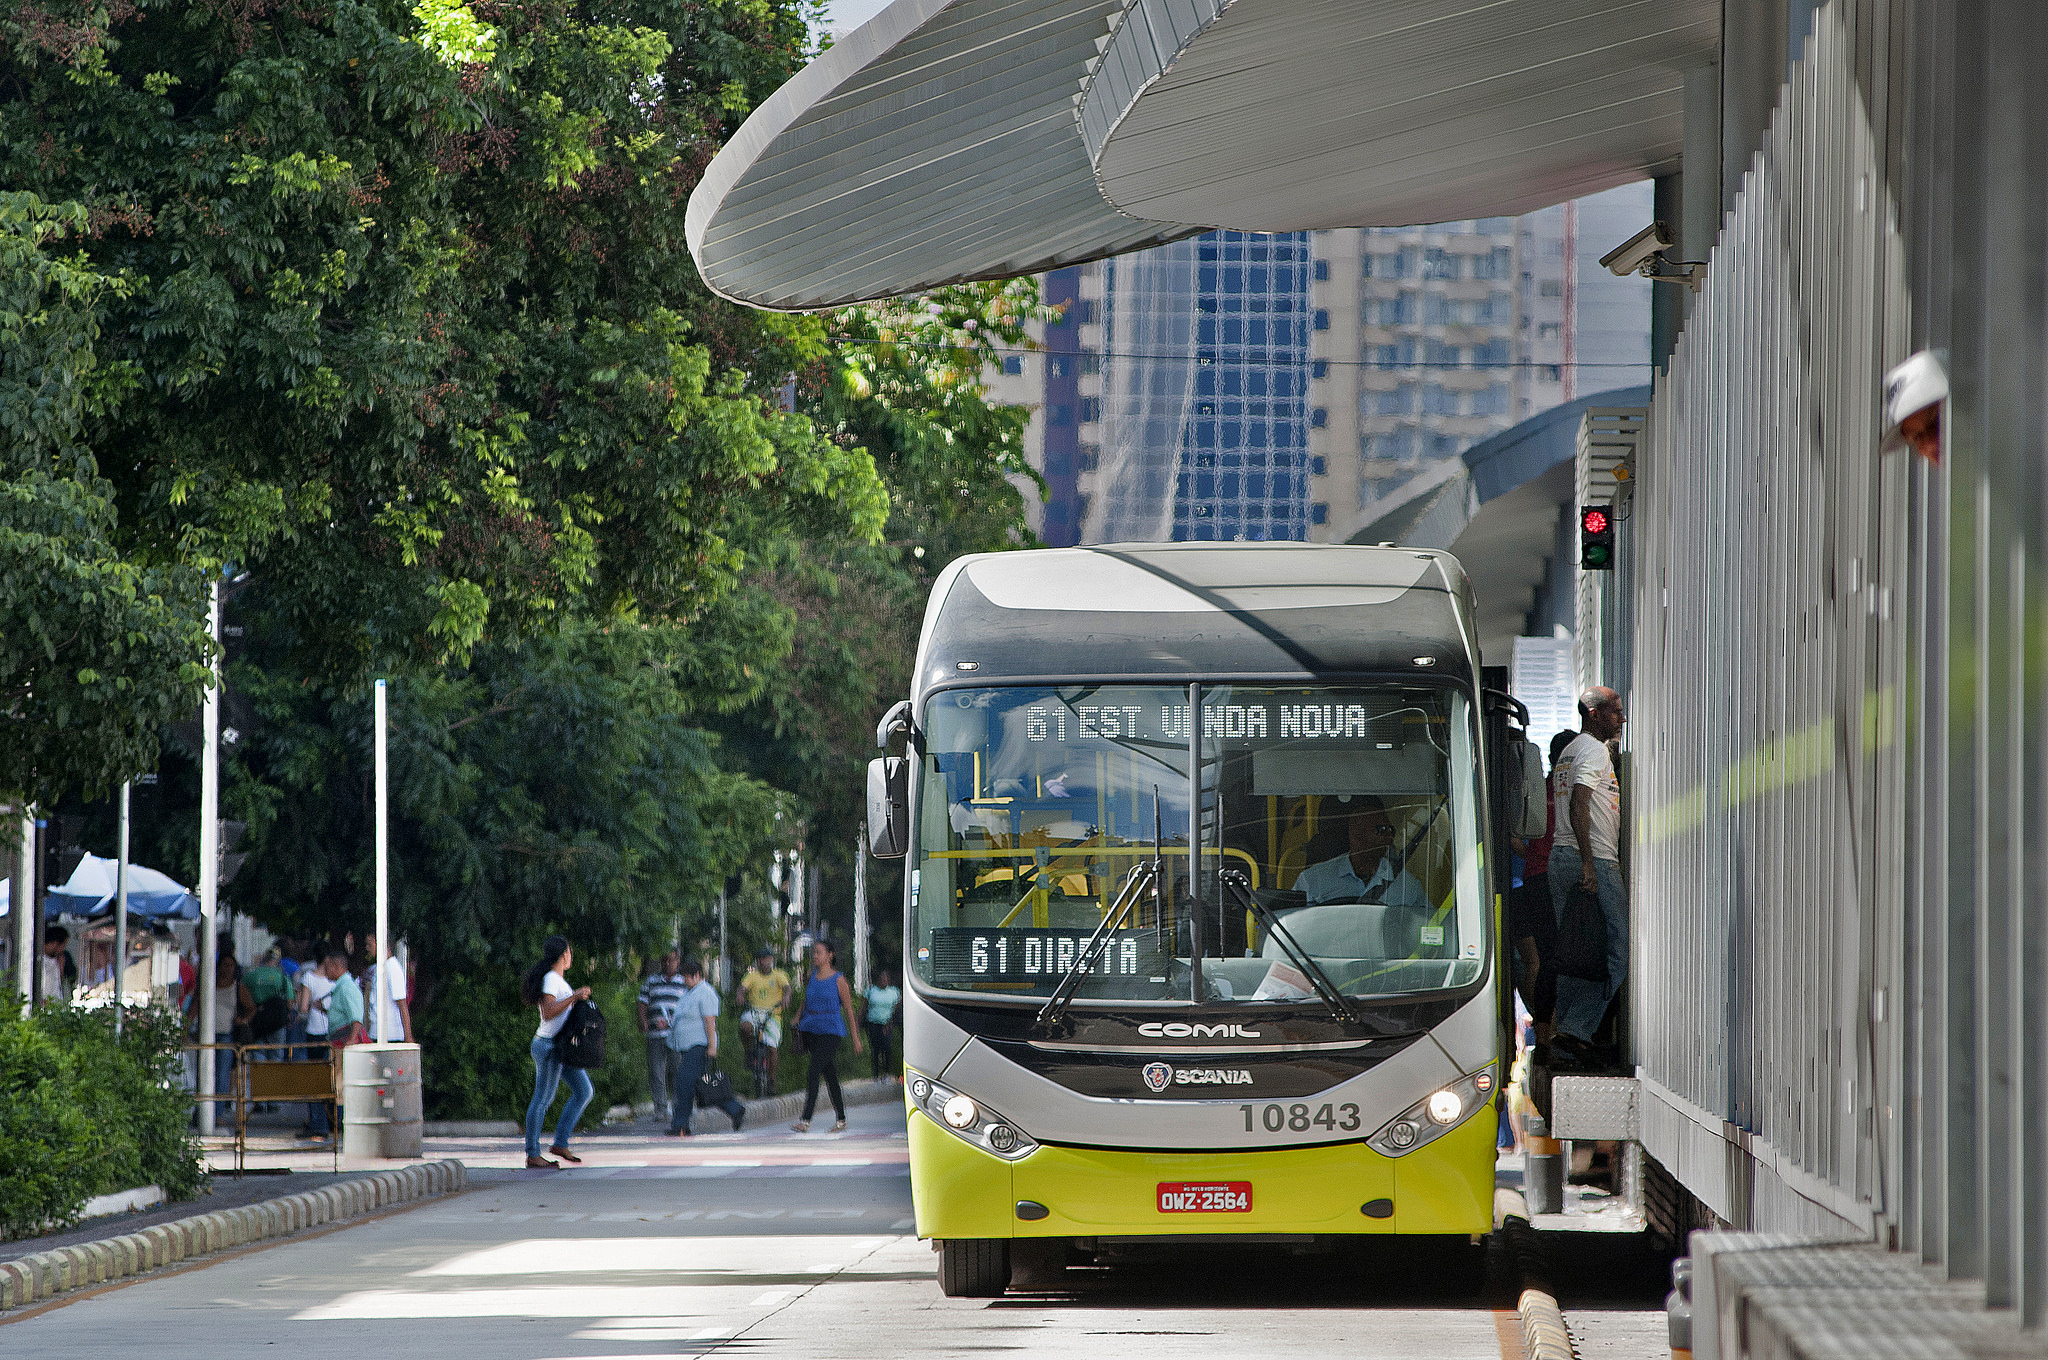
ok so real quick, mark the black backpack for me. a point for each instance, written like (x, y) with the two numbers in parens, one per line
(580, 1040)
(1582, 937)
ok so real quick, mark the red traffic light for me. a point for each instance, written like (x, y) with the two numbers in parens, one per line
(1596, 537)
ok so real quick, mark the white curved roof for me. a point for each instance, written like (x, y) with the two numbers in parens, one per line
(934, 144)
(948, 140)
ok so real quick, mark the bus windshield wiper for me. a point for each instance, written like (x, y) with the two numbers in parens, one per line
(1240, 888)
(1143, 877)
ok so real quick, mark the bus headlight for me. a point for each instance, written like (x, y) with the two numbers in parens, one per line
(970, 1119)
(1434, 1115)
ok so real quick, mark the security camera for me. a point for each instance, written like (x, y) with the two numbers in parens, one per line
(1638, 254)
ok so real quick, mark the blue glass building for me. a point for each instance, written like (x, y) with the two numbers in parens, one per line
(1207, 404)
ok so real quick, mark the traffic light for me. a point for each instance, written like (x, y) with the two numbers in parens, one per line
(1596, 537)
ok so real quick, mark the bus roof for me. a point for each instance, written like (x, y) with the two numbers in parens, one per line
(1279, 611)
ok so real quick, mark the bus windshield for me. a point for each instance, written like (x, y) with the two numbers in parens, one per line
(1337, 823)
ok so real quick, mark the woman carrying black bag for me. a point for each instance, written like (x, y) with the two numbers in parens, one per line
(544, 987)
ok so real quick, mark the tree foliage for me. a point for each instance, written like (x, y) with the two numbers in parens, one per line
(102, 649)
(411, 328)
(556, 784)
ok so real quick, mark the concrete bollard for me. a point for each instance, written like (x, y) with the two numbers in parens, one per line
(17, 1286)
(1542, 1167)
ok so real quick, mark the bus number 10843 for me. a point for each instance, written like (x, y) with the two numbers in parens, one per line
(1301, 1117)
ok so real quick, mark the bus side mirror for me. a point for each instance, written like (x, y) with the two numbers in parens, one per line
(889, 806)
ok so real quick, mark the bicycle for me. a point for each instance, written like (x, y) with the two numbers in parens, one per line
(760, 1054)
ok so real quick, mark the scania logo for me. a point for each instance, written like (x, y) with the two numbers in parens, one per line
(1212, 1076)
(1176, 1030)
(1157, 1075)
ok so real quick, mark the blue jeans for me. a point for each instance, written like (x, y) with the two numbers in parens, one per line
(223, 1078)
(685, 1065)
(548, 1073)
(1581, 1004)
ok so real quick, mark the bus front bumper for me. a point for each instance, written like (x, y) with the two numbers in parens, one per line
(1443, 1187)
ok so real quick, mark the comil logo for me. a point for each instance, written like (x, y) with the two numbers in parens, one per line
(1176, 1030)
(1157, 1076)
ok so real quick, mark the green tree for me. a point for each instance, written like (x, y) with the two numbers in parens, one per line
(411, 328)
(552, 785)
(102, 650)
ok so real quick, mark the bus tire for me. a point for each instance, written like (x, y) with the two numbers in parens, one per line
(1460, 1265)
(974, 1267)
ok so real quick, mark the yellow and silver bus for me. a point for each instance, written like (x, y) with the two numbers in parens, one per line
(1200, 934)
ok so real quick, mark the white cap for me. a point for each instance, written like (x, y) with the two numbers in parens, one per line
(1916, 384)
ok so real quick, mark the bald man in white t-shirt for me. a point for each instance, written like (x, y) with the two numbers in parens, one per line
(1587, 854)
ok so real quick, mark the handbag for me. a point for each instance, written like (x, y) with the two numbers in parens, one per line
(1582, 936)
(796, 1040)
(714, 1089)
(270, 1017)
(580, 1041)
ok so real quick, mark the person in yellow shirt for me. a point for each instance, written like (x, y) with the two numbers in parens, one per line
(766, 989)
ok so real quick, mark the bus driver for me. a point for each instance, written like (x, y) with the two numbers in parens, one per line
(1367, 873)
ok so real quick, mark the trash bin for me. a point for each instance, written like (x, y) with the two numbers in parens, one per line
(380, 1100)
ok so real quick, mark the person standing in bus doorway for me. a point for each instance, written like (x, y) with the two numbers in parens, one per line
(692, 1039)
(1532, 924)
(1587, 854)
(826, 1020)
(882, 999)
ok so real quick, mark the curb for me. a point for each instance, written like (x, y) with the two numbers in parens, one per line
(1544, 1335)
(764, 1110)
(46, 1274)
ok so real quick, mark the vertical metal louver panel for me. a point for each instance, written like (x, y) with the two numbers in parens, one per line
(1771, 595)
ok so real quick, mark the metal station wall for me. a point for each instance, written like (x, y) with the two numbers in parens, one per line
(1840, 853)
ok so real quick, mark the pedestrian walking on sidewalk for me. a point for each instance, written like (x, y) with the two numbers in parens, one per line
(545, 987)
(693, 1050)
(827, 1019)
(656, 1008)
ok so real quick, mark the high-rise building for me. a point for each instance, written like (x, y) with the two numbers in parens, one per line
(1298, 385)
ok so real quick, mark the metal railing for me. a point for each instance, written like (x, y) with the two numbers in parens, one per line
(285, 1080)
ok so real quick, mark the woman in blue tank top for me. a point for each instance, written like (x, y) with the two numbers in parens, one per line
(827, 1019)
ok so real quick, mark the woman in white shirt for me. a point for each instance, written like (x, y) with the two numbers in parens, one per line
(544, 987)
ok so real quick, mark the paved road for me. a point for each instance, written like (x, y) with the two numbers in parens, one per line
(761, 1244)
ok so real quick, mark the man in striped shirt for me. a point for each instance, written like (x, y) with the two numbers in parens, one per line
(658, 996)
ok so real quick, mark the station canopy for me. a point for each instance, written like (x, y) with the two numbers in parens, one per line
(949, 140)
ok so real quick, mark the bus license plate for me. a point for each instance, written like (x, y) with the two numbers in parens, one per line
(1205, 1197)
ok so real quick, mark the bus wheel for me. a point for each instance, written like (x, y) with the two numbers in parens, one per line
(974, 1267)
(1460, 1266)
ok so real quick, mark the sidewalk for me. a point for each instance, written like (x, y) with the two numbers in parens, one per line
(500, 1144)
